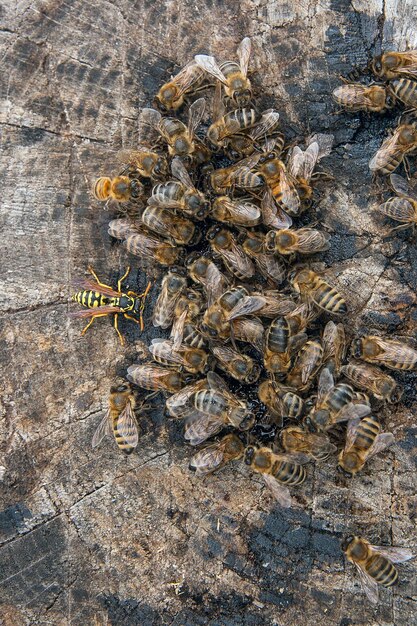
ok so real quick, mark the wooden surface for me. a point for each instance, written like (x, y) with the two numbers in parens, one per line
(97, 538)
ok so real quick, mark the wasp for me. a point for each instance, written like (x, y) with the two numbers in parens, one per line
(100, 300)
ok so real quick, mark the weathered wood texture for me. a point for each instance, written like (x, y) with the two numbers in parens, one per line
(139, 540)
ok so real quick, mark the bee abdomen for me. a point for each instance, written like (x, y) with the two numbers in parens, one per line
(278, 335)
(367, 431)
(382, 571)
(329, 299)
(126, 443)
(289, 473)
(405, 90)
(293, 405)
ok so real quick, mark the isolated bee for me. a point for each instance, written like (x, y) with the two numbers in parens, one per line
(203, 271)
(273, 215)
(171, 95)
(180, 138)
(100, 300)
(232, 76)
(213, 408)
(402, 209)
(223, 243)
(311, 286)
(280, 346)
(358, 97)
(173, 285)
(180, 194)
(239, 366)
(393, 354)
(373, 380)
(303, 241)
(301, 164)
(278, 470)
(119, 419)
(307, 363)
(280, 401)
(374, 564)
(144, 162)
(393, 150)
(405, 90)
(390, 65)
(334, 346)
(217, 455)
(239, 174)
(275, 175)
(120, 188)
(296, 439)
(239, 212)
(155, 378)
(215, 320)
(271, 267)
(363, 441)
(334, 404)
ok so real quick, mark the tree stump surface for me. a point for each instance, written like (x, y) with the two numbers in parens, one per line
(92, 537)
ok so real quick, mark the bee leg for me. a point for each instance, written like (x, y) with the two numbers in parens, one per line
(119, 282)
(116, 325)
(407, 168)
(90, 269)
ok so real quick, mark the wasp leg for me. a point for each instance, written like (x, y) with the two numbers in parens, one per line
(129, 317)
(90, 269)
(140, 295)
(116, 325)
(91, 321)
(119, 282)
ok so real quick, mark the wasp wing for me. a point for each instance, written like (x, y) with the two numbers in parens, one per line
(98, 311)
(102, 430)
(91, 285)
(280, 493)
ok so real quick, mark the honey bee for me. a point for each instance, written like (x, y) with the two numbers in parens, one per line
(168, 352)
(223, 243)
(232, 75)
(239, 366)
(171, 95)
(280, 346)
(226, 125)
(120, 188)
(388, 352)
(273, 215)
(334, 346)
(239, 212)
(239, 174)
(403, 209)
(358, 97)
(334, 404)
(300, 317)
(307, 363)
(119, 420)
(213, 408)
(204, 272)
(172, 287)
(245, 143)
(187, 309)
(405, 90)
(275, 175)
(392, 65)
(144, 162)
(142, 244)
(296, 439)
(155, 378)
(303, 241)
(269, 303)
(393, 150)
(301, 164)
(373, 380)
(278, 470)
(271, 267)
(215, 320)
(180, 138)
(217, 455)
(374, 564)
(280, 401)
(164, 222)
(363, 441)
(179, 405)
(314, 288)
(180, 194)
(249, 330)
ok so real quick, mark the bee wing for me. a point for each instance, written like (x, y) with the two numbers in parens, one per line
(289, 195)
(381, 442)
(89, 284)
(402, 187)
(128, 155)
(216, 382)
(200, 426)
(325, 144)
(394, 554)
(369, 585)
(245, 211)
(352, 411)
(150, 117)
(310, 240)
(388, 147)
(120, 228)
(272, 214)
(352, 95)
(207, 460)
(280, 493)
(98, 310)
(195, 114)
(177, 331)
(127, 426)
(399, 352)
(325, 384)
(301, 164)
(167, 351)
(224, 353)
(266, 124)
(301, 458)
(209, 64)
(214, 284)
(309, 366)
(177, 403)
(218, 105)
(186, 78)
(102, 430)
(246, 306)
(250, 330)
(179, 171)
(238, 260)
(243, 54)
(137, 373)
(410, 57)
(271, 267)
(351, 431)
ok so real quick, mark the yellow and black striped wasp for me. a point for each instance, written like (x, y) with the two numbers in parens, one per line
(101, 300)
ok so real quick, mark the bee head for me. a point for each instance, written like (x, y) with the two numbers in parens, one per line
(249, 454)
(356, 348)
(345, 543)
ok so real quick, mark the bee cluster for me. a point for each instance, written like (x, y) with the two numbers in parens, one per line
(235, 297)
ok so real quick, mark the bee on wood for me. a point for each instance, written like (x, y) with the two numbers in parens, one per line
(403, 208)
(121, 188)
(358, 97)
(334, 346)
(363, 441)
(280, 401)
(271, 267)
(101, 300)
(296, 439)
(239, 366)
(314, 288)
(391, 65)
(217, 455)
(119, 420)
(373, 380)
(301, 164)
(307, 363)
(172, 287)
(239, 174)
(391, 353)
(394, 149)
(155, 378)
(144, 162)
(224, 244)
(233, 76)
(274, 172)
(172, 94)
(374, 564)
(280, 347)
(301, 241)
